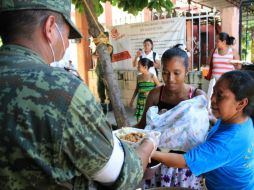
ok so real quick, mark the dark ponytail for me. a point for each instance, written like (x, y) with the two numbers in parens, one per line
(146, 62)
(175, 51)
(230, 40)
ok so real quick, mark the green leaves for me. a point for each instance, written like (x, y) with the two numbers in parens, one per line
(78, 5)
(130, 6)
(159, 4)
(98, 7)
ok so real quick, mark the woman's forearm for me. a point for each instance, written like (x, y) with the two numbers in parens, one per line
(135, 61)
(170, 159)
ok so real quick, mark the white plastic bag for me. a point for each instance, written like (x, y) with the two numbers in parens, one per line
(183, 127)
(210, 91)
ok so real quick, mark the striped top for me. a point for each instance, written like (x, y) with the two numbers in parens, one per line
(221, 63)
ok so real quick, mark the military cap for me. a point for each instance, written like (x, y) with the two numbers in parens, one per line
(61, 6)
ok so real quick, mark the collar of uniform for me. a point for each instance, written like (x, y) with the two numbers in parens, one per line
(21, 50)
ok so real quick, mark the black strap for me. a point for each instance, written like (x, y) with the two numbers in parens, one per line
(161, 92)
(154, 55)
(194, 92)
(177, 151)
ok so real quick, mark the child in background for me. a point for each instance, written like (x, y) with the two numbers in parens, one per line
(146, 81)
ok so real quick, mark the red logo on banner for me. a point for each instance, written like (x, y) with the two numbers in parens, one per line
(120, 56)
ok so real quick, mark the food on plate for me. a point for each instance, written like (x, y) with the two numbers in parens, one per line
(133, 137)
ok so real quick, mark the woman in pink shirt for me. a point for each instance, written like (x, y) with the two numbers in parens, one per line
(223, 55)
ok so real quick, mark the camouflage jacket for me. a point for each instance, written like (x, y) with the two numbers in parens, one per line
(53, 135)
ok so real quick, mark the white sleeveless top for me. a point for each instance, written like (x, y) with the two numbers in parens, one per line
(150, 56)
(221, 63)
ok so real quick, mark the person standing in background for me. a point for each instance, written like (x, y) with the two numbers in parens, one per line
(221, 57)
(149, 54)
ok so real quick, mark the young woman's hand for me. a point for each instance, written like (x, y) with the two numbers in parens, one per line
(138, 53)
(237, 66)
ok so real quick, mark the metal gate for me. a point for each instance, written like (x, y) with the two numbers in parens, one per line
(246, 30)
(201, 30)
(201, 33)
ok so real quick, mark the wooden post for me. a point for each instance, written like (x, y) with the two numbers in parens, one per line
(84, 52)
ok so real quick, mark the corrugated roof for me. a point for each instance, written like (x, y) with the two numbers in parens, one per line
(220, 4)
(247, 8)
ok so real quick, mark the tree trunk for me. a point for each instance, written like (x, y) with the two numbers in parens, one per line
(114, 91)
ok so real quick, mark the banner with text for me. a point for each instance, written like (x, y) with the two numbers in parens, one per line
(128, 39)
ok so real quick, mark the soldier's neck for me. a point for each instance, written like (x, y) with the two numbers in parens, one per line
(38, 46)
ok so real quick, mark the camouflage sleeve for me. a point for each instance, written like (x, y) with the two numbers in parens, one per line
(88, 141)
(132, 170)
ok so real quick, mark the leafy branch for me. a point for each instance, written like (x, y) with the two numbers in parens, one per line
(130, 6)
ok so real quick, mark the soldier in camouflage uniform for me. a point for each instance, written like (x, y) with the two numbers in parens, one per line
(53, 135)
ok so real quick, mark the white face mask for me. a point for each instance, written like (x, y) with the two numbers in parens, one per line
(51, 48)
(64, 61)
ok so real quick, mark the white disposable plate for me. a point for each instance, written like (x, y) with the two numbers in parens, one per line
(237, 61)
(126, 130)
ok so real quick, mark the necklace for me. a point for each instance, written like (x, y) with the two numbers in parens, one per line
(222, 52)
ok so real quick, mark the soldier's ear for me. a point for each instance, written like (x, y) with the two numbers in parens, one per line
(49, 29)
